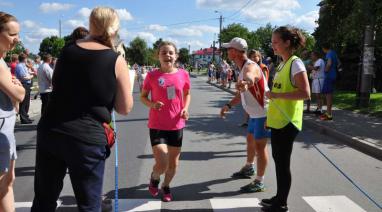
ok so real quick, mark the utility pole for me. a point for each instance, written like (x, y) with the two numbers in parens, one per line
(213, 51)
(368, 56)
(220, 31)
(59, 27)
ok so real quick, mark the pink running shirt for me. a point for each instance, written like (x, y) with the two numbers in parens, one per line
(167, 88)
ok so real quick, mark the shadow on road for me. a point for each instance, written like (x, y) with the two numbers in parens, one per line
(189, 192)
(24, 171)
(202, 156)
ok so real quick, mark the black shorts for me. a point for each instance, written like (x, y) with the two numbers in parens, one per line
(169, 137)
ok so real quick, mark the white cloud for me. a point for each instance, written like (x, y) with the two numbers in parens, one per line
(84, 12)
(307, 21)
(196, 44)
(157, 27)
(74, 23)
(150, 38)
(124, 15)
(220, 4)
(6, 4)
(54, 7)
(256, 10)
(196, 30)
(33, 38)
(186, 32)
(29, 24)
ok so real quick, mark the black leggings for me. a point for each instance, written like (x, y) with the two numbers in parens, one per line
(282, 145)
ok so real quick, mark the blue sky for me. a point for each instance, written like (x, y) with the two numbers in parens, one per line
(191, 23)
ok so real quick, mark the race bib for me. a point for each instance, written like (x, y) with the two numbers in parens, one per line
(171, 92)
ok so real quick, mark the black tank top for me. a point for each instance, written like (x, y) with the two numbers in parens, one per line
(83, 79)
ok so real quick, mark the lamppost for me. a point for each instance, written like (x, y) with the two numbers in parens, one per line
(220, 27)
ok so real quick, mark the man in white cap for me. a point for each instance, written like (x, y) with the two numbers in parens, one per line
(251, 88)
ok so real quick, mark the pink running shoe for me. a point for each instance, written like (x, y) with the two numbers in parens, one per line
(167, 197)
(153, 187)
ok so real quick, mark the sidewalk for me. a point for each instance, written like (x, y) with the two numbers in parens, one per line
(359, 131)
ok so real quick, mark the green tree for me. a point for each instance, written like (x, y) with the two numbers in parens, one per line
(156, 44)
(17, 50)
(51, 45)
(137, 51)
(234, 30)
(342, 24)
(151, 57)
(264, 39)
(183, 55)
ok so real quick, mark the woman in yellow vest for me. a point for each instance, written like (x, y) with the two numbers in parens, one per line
(284, 116)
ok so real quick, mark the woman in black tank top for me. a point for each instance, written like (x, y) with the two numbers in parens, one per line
(89, 80)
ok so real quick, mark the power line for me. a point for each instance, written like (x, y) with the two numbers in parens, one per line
(173, 24)
(238, 11)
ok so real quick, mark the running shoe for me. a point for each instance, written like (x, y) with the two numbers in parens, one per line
(245, 173)
(255, 186)
(268, 202)
(167, 197)
(275, 208)
(326, 117)
(243, 124)
(318, 112)
(153, 187)
(107, 205)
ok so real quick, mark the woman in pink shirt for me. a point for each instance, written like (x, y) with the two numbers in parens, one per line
(170, 98)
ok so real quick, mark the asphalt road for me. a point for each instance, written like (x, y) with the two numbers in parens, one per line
(214, 148)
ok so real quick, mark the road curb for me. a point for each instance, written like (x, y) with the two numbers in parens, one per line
(357, 143)
(354, 142)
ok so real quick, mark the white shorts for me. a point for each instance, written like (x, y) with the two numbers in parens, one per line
(317, 85)
(7, 142)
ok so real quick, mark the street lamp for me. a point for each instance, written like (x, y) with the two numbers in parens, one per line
(220, 27)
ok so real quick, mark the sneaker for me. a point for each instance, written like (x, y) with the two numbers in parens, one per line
(254, 186)
(243, 124)
(268, 202)
(245, 173)
(153, 187)
(318, 112)
(167, 197)
(326, 117)
(275, 208)
(107, 205)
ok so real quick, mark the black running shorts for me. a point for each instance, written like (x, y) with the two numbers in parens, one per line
(169, 137)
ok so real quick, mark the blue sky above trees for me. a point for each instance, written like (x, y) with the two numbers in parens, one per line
(191, 23)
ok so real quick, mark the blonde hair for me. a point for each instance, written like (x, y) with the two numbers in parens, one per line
(103, 25)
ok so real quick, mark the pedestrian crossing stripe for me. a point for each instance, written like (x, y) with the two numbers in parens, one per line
(26, 206)
(234, 204)
(332, 203)
(317, 203)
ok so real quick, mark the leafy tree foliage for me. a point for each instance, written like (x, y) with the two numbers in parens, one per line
(17, 50)
(183, 55)
(137, 51)
(341, 24)
(51, 45)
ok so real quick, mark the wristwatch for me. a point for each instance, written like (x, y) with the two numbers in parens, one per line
(228, 105)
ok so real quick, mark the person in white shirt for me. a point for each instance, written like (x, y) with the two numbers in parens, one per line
(44, 76)
(318, 75)
(252, 87)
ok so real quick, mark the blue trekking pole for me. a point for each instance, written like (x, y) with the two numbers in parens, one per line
(116, 162)
(335, 166)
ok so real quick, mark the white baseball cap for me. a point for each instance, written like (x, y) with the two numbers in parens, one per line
(236, 43)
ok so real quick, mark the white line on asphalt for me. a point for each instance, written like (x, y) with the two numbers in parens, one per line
(332, 204)
(127, 205)
(237, 204)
